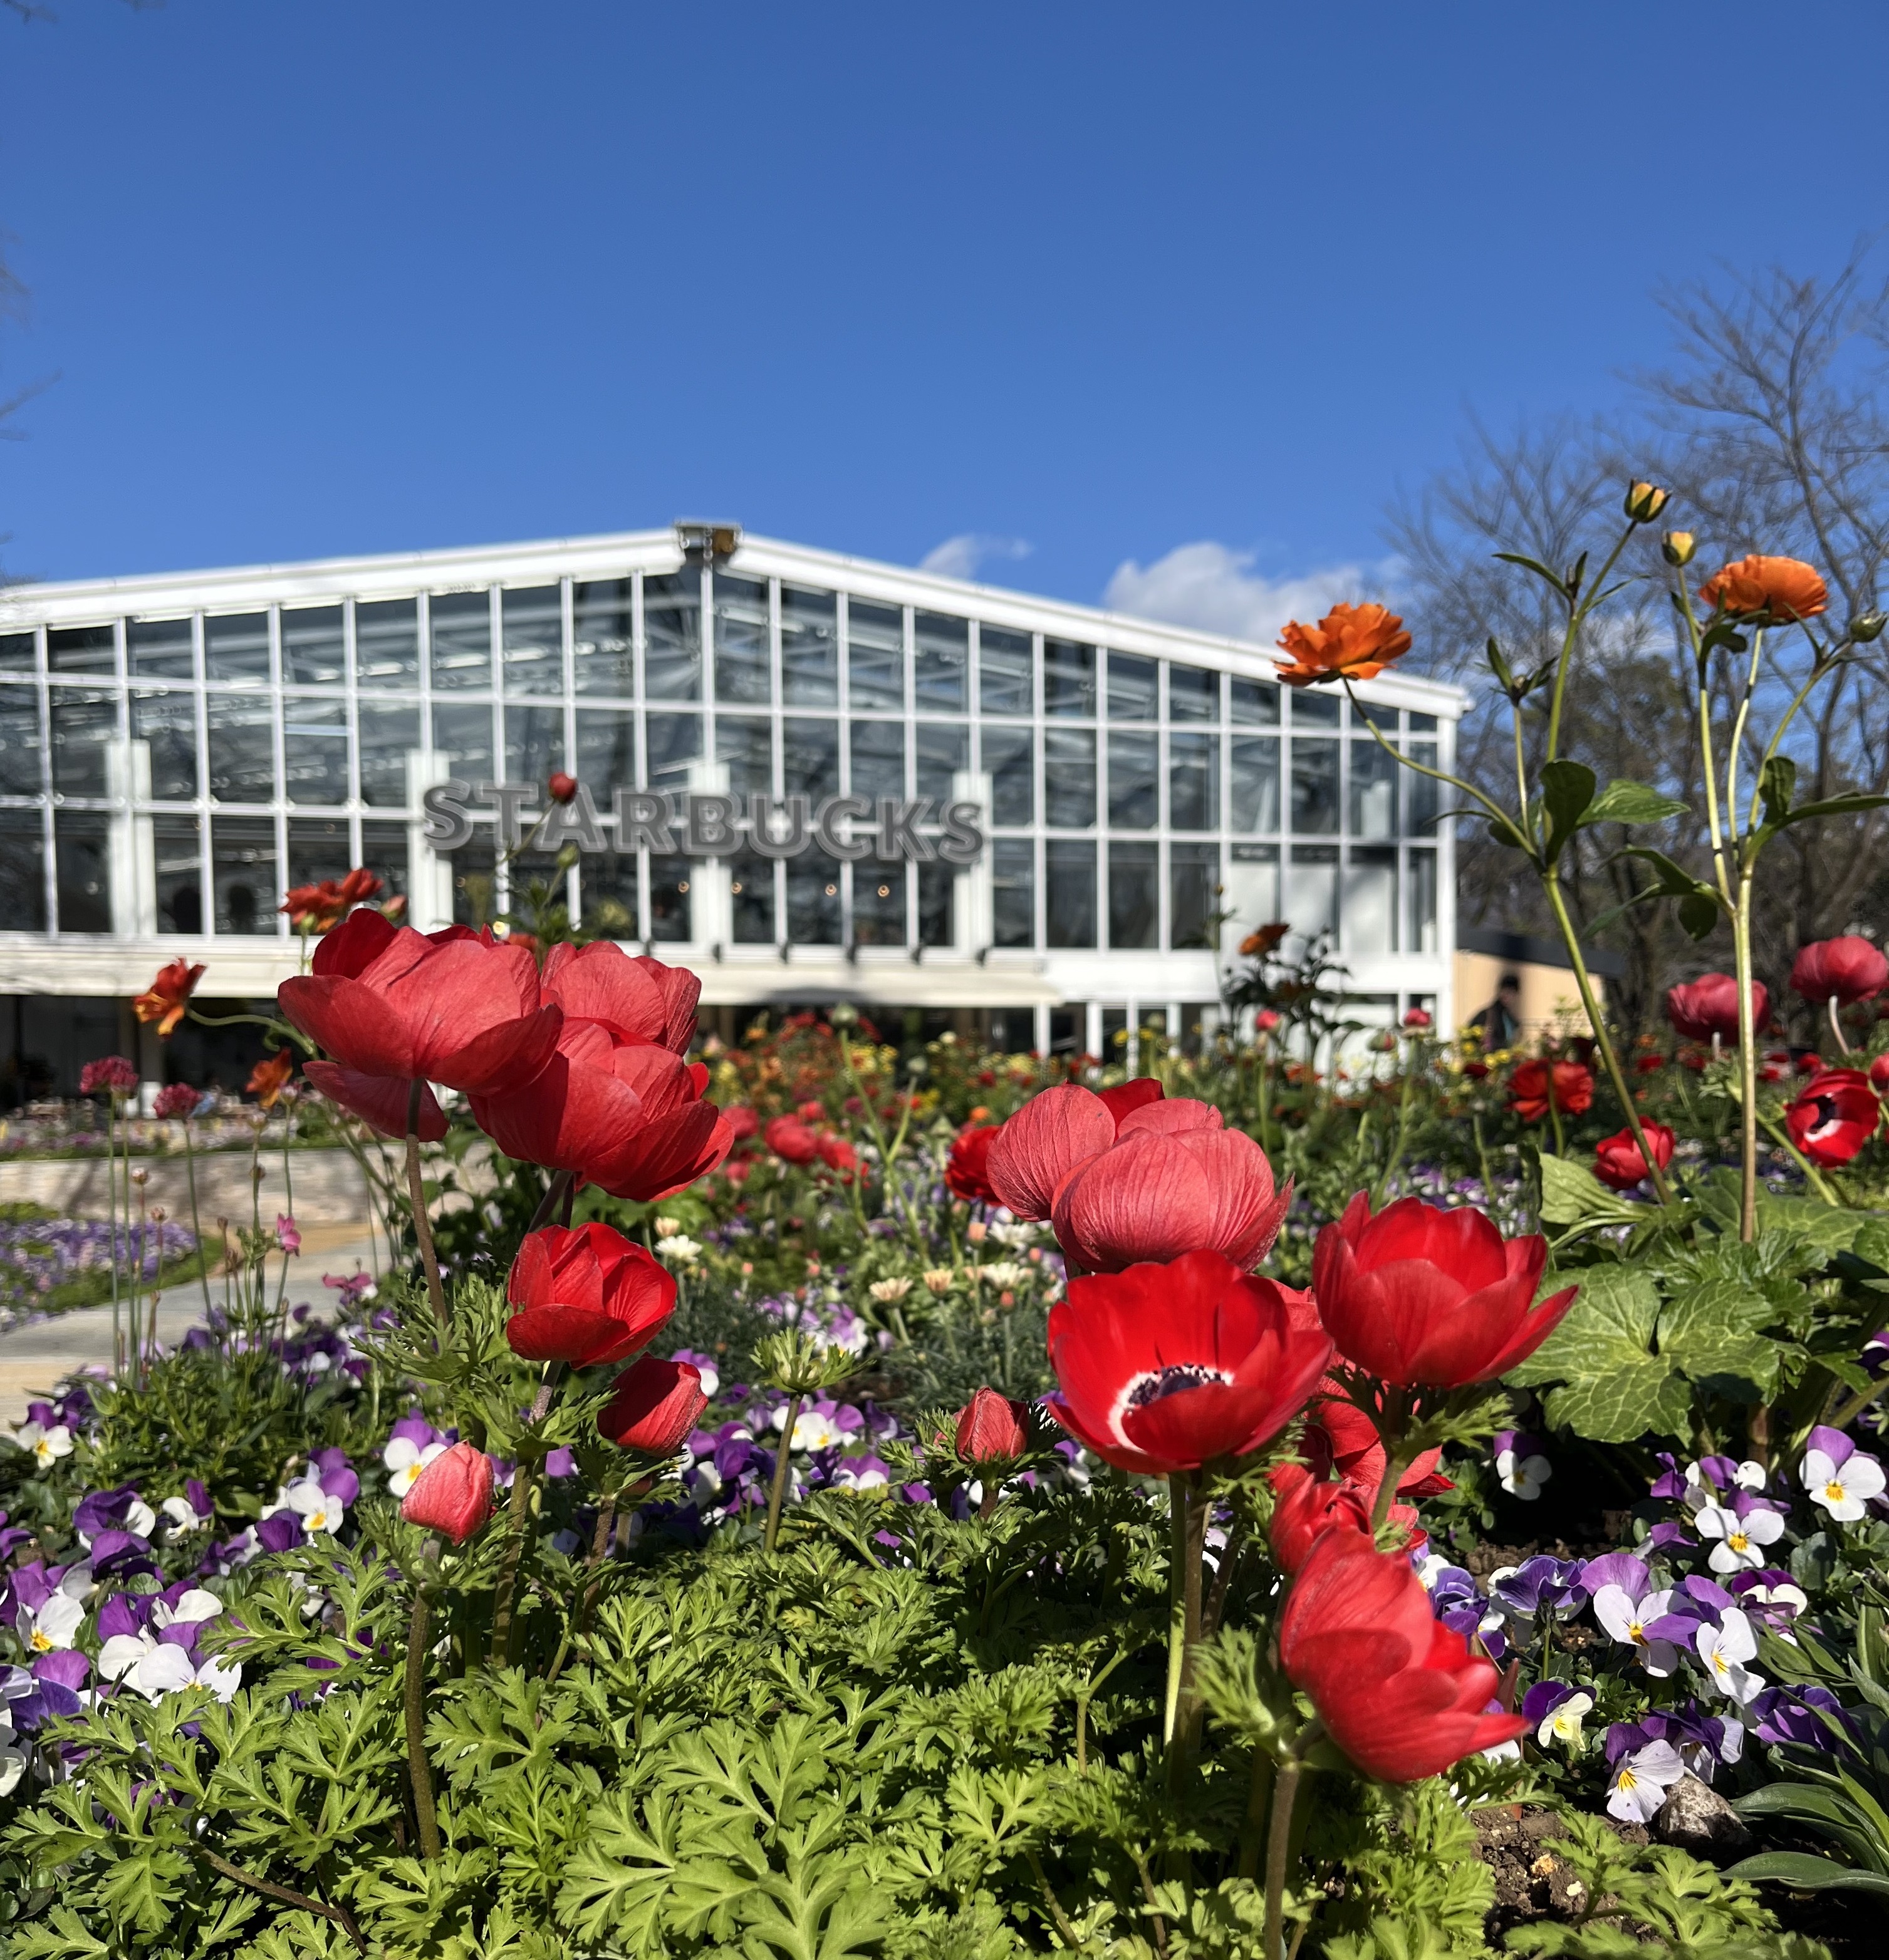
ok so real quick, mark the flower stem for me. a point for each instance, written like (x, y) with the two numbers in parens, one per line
(196, 1226)
(1748, 1066)
(1280, 1844)
(518, 1513)
(1177, 1600)
(418, 1769)
(417, 1191)
(777, 1491)
(1252, 1839)
(1837, 1027)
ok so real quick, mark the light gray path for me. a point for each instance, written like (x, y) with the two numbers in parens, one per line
(33, 1358)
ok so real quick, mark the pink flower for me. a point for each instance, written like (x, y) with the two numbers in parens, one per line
(287, 1235)
(111, 1072)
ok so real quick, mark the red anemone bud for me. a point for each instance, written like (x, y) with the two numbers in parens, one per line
(585, 1295)
(992, 1429)
(967, 1169)
(453, 1494)
(654, 1406)
(1619, 1161)
(561, 787)
(1709, 1005)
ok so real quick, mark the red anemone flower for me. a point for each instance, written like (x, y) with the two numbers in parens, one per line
(967, 1169)
(1836, 1113)
(562, 787)
(654, 1406)
(743, 1122)
(585, 1295)
(1055, 1133)
(1619, 1161)
(837, 1153)
(453, 1494)
(1426, 1297)
(393, 1007)
(1165, 1368)
(1396, 1690)
(1530, 1088)
(792, 1140)
(1306, 1506)
(992, 1429)
(1709, 1005)
(270, 1076)
(167, 999)
(1844, 970)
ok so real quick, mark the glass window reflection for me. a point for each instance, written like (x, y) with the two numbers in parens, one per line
(810, 648)
(388, 736)
(177, 854)
(1068, 679)
(809, 760)
(387, 643)
(314, 647)
(84, 727)
(1134, 798)
(166, 722)
(532, 620)
(160, 649)
(1013, 891)
(462, 738)
(1132, 685)
(879, 903)
(236, 648)
(813, 908)
(675, 748)
(744, 746)
(1193, 693)
(1011, 766)
(1006, 672)
(1193, 895)
(244, 875)
(21, 750)
(941, 662)
(1254, 797)
(242, 748)
(1068, 778)
(82, 649)
(534, 745)
(602, 637)
(1314, 787)
(672, 635)
(1134, 894)
(1193, 782)
(315, 750)
(81, 844)
(875, 655)
(22, 870)
(944, 753)
(1069, 887)
(742, 660)
(878, 760)
(461, 634)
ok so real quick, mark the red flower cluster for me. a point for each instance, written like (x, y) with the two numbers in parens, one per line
(1709, 1005)
(1834, 1115)
(174, 1099)
(320, 908)
(1535, 1085)
(110, 1072)
(585, 1297)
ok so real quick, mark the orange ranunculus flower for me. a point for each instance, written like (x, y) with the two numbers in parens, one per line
(1356, 641)
(1768, 591)
(168, 997)
(320, 908)
(269, 1077)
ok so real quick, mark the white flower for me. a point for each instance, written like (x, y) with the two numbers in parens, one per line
(46, 1445)
(711, 1379)
(1741, 1540)
(1523, 1477)
(405, 1460)
(704, 1482)
(1641, 1782)
(869, 1479)
(12, 1758)
(667, 1227)
(1725, 1649)
(1626, 1619)
(1751, 1476)
(55, 1624)
(139, 1517)
(811, 1431)
(317, 1510)
(1432, 1568)
(889, 1292)
(681, 1250)
(158, 1668)
(1562, 1723)
(1005, 1274)
(1843, 1490)
(181, 1515)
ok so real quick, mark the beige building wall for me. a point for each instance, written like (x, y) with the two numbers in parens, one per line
(1550, 1000)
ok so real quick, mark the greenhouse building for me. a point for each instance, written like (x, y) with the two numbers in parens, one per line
(810, 777)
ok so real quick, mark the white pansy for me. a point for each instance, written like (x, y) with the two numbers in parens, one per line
(1522, 1476)
(46, 1445)
(1740, 1540)
(1640, 1783)
(1562, 1723)
(812, 1430)
(318, 1511)
(181, 1515)
(1751, 1476)
(139, 1518)
(1725, 1649)
(405, 1460)
(1626, 1619)
(54, 1625)
(1843, 1490)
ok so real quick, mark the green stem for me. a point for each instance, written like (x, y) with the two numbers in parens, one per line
(1259, 1793)
(419, 1770)
(777, 1491)
(196, 1226)
(1817, 1181)
(1176, 1602)
(516, 1511)
(1748, 1066)
(417, 1195)
(268, 1889)
(1065, 1931)
(1398, 1458)
(1279, 1839)
(1577, 618)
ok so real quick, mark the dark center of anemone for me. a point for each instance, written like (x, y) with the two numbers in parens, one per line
(1172, 1381)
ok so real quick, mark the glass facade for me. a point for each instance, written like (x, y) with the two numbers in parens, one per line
(169, 775)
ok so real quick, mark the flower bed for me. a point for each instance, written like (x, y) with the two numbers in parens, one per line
(49, 1264)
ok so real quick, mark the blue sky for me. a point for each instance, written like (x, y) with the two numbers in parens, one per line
(1095, 284)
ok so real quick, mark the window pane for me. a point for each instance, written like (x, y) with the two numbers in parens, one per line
(675, 746)
(813, 899)
(83, 725)
(1311, 889)
(1131, 682)
(878, 760)
(1193, 693)
(92, 649)
(1194, 895)
(387, 643)
(810, 648)
(672, 635)
(1370, 910)
(1014, 891)
(741, 639)
(388, 736)
(607, 882)
(162, 649)
(1006, 684)
(669, 915)
(315, 753)
(22, 870)
(16, 653)
(1193, 782)
(177, 854)
(943, 753)
(1252, 898)
(605, 755)
(475, 880)
(1068, 679)
(603, 639)
(1374, 790)
(1420, 902)
(810, 765)
(751, 896)
(21, 749)
(462, 641)
(167, 723)
(1420, 801)
(1256, 785)
(1314, 787)
(743, 745)
(1068, 778)
(244, 874)
(1316, 711)
(462, 736)
(384, 852)
(534, 744)
(943, 662)
(1256, 703)
(1012, 769)
(236, 648)
(936, 884)
(1134, 801)
(532, 618)
(314, 653)
(1134, 894)
(1069, 885)
(875, 655)
(878, 904)
(82, 845)
(242, 748)
(319, 848)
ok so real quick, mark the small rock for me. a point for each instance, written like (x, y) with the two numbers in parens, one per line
(1697, 1819)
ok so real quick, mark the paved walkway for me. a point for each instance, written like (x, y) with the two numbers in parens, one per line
(32, 1359)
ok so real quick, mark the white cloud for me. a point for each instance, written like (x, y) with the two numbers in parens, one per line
(960, 557)
(1214, 589)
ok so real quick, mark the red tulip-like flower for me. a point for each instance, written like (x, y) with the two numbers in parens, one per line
(992, 1430)
(1844, 970)
(615, 1104)
(792, 1140)
(1879, 1074)
(654, 1405)
(585, 1295)
(1165, 1368)
(1305, 1507)
(453, 1494)
(167, 998)
(1709, 1005)
(1836, 1113)
(1396, 1690)
(392, 1007)
(967, 1169)
(1418, 1019)
(743, 1122)
(562, 788)
(1055, 1132)
(1619, 1161)
(322, 907)
(1531, 1087)
(1429, 1298)
(837, 1153)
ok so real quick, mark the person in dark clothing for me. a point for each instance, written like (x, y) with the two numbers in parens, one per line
(1499, 1023)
